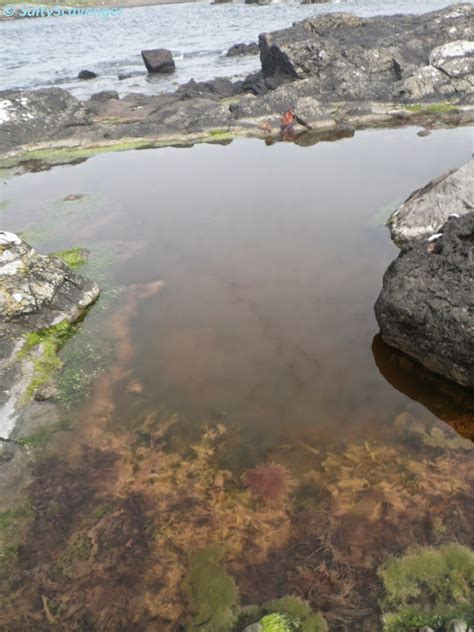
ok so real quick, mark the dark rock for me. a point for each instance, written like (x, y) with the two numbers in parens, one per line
(128, 75)
(406, 57)
(105, 95)
(159, 60)
(243, 49)
(220, 87)
(426, 306)
(84, 75)
(30, 116)
(315, 1)
(428, 208)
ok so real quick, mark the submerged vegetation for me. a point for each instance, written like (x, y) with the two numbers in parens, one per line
(429, 586)
(74, 257)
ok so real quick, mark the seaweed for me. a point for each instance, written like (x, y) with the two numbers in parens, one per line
(428, 586)
(211, 593)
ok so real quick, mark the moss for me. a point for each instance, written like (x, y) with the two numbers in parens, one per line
(428, 586)
(433, 108)
(211, 593)
(299, 613)
(73, 257)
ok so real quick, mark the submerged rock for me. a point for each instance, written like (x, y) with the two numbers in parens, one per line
(428, 208)
(159, 60)
(426, 306)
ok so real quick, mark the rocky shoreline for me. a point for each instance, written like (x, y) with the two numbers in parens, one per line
(340, 73)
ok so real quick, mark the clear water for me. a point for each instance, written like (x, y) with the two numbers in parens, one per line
(51, 51)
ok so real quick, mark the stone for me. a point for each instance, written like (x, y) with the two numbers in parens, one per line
(428, 208)
(105, 95)
(254, 627)
(29, 116)
(84, 75)
(457, 625)
(243, 49)
(159, 60)
(426, 306)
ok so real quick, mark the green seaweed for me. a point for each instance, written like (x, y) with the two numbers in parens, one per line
(299, 614)
(276, 623)
(428, 586)
(11, 523)
(432, 108)
(211, 593)
(74, 257)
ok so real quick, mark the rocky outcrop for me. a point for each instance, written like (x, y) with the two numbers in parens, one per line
(426, 306)
(402, 57)
(338, 70)
(159, 60)
(29, 116)
(428, 208)
(36, 292)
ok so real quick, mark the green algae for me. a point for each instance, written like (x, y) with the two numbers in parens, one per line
(74, 257)
(428, 586)
(11, 526)
(210, 592)
(276, 623)
(43, 435)
(432, 108)
(298, 613)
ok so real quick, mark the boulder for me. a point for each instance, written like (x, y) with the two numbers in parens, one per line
(84, 75)
(400, 57)
(29, 116)
(428, 208)
(426, 306)
(243, 49)
(159, 60)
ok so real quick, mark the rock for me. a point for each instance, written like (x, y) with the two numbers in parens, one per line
(426, 628)
(84, 75)
(428, 208)
(426, 306)
(457, 625)
(104, 95)
(36, 292)
(29, 116)
(159, 60)
(258, 2)
(220, 87)
(423, 133)
(243, 49)
(128, 75)
(407, 57)
(254, 627)
(315, 1)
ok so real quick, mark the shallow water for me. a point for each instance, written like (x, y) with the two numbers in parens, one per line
(271, 258)
(41, 52)
(235, 329)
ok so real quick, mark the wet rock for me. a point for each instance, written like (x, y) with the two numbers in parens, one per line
(84, 75)
(29, 116)
(457, 625)
(220, 87)
(426, 306)
(423, 133)
(159, 60)
(243, 49)
(428, 208)
(254, 627)
(404, 57)
(36, 292)
(315, 1)
(105, 95)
